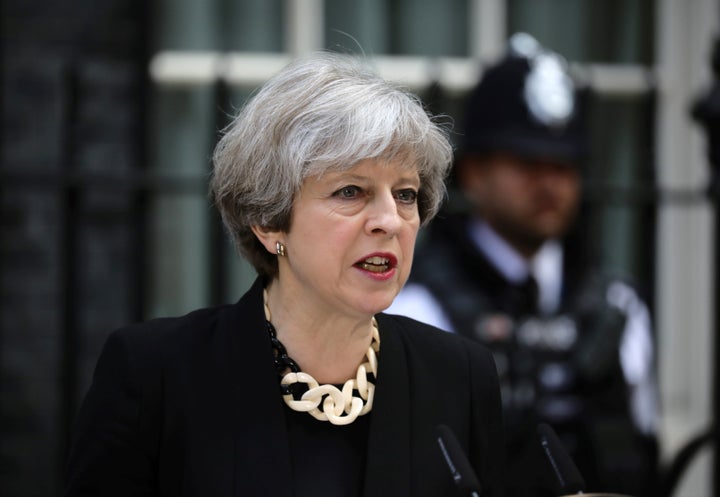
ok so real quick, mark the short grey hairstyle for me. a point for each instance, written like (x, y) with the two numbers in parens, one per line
(321, 112)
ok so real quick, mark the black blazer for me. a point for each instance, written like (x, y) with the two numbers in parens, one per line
(190, 406)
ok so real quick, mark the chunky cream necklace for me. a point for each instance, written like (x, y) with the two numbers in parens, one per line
(301, 392)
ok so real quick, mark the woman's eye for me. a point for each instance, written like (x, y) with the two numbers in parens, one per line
(347, 192)
(407, 196)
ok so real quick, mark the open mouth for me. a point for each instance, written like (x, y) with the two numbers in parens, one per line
(375, 264)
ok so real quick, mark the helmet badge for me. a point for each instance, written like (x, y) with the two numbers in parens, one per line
(549, 90)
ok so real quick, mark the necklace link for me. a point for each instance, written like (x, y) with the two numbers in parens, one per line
(301, 392)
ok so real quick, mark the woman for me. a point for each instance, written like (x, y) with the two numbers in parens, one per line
(303, 387)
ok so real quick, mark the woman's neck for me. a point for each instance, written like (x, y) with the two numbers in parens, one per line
(330, 347)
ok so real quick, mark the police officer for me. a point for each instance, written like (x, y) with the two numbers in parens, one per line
(572, 344)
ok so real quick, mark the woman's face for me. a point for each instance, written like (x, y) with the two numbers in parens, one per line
(351, 241)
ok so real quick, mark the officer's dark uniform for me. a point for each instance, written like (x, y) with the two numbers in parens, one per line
(563, 369)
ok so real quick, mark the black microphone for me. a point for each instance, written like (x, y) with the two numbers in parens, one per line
(457, 462)
(567, 479)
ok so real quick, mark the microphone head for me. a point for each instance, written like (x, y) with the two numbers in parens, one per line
(566, 478)
(457, 462)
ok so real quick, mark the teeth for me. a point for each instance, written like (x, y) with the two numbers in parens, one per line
(373, 268)
(375, 264)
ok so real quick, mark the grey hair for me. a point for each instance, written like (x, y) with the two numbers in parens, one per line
(320, 113)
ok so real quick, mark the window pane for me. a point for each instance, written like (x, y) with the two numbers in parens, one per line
(619, 179)
(398, 27)
(248, 25)
(186, 25)
(611, 31)
(179, 225)
(240, 25)
(357, 27)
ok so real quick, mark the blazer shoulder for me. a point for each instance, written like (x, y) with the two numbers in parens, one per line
(150, 344)
(158, 331)
(193, 339)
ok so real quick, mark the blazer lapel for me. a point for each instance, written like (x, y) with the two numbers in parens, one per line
(262, 455)
(388, 452)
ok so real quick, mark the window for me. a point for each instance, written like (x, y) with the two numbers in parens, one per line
(645, 184)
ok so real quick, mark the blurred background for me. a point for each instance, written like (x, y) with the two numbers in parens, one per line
(111, 110)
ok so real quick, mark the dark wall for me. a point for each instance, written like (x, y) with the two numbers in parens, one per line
(71, 215)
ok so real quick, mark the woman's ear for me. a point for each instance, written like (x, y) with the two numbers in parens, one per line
(268, 237)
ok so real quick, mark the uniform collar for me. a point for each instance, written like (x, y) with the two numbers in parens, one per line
(546, 266)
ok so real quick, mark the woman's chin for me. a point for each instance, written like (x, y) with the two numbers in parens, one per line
(381, 305)
(376, 300)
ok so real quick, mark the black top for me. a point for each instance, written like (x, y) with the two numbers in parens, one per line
(327, 459)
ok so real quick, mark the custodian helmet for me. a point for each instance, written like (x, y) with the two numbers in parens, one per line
(527, 104)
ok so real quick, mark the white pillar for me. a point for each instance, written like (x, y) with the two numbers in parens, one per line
(684, 297)
(305, 26)
(487, 32)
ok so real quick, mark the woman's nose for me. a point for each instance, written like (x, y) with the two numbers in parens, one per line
(383, 215)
